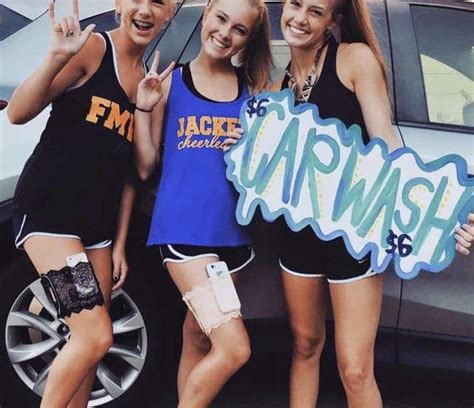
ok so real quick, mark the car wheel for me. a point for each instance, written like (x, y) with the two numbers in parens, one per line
(33, 337)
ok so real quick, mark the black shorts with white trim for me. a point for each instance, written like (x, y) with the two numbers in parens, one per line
(304, 254)
(236, 258)
(24, 227)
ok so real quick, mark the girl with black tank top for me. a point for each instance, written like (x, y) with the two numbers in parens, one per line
(347, 81)
(193, 221)
(75, 194)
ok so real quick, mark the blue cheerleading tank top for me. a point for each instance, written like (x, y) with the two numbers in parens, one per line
(195, 203)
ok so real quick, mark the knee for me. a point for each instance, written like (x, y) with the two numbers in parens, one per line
(241, 354)
(101, 342)
(98, 340)
(235, 354)
(356, 376)
(308, 346)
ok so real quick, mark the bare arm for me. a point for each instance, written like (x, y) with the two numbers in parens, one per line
(66, 62)
(120, 267)
(370, 89)
(152, 96)
(147, 139)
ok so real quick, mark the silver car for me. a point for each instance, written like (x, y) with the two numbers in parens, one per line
(427, 322)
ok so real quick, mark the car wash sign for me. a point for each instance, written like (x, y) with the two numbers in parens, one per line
(317, 172)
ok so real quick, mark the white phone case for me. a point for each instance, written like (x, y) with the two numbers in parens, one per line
(224, 288)
(73, 260)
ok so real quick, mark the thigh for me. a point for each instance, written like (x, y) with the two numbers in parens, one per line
(101, 260)
(190, 274)
(306, 300)
(96, 320)
(356, 308)
(47, 253)
(230, 335)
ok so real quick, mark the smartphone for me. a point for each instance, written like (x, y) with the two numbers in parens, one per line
(73, 260)
(224, 287)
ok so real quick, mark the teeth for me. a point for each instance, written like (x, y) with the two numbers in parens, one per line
(218, 43)
(142, 24)
(297, 30)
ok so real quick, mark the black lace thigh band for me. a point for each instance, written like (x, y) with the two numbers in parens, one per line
(73, 289)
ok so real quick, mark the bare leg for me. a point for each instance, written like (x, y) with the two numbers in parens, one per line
(230, 346)
(101, 260)
(196, 345)
(91, 330)
(306, 301)
(356, 309)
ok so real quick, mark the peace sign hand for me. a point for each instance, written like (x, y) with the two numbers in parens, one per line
(150, 88)
(66, 35)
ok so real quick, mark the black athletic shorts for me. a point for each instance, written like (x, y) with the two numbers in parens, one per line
(304, 254)
(24, 228)
(236, 258)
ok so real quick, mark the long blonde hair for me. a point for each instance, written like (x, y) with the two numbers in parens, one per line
(256, 57)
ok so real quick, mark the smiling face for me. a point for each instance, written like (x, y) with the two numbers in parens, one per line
(143, 19)
(227, 26)
(304, 22)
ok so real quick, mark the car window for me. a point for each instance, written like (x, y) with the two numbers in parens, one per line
(103, 22)
(444, 39)
(178, 39)
(280, 49)
(11, 22)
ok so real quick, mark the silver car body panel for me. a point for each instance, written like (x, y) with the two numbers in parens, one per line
(32, 9)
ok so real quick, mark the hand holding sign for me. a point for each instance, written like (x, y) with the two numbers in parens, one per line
(318, 172)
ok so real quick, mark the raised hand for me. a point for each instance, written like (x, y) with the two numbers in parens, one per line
(66, 38)
(150, 88)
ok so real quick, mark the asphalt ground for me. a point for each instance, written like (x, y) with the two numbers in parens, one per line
(263, 382)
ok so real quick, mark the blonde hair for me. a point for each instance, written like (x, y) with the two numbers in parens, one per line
(256, 56)
(118, 16)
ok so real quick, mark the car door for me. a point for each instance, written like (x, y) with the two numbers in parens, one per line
(434, 72)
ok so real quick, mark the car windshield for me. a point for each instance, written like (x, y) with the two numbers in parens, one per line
(11, 22)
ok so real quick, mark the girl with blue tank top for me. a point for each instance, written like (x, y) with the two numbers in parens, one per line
(194, 221)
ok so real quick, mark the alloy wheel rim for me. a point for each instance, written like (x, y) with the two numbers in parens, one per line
(34, 335)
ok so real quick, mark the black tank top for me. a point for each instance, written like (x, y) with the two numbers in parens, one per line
(72, 182)
(333, 98)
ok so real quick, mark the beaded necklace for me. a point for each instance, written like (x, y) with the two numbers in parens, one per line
(310, 80)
